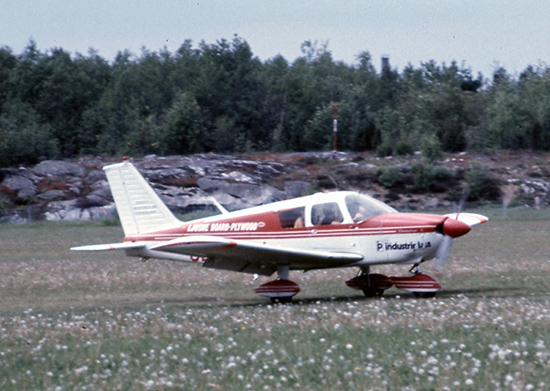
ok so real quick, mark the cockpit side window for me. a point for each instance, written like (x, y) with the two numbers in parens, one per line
(292, 218)
(326, 214)
(361, 208)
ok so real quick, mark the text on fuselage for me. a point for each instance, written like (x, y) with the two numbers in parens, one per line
(393, 246)
(226, 227)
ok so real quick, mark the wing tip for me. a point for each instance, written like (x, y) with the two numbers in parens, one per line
(108, 247)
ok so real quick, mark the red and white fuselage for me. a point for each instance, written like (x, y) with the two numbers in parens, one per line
(324, 230)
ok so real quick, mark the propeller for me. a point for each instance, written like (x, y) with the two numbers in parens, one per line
(463, 199)
(450, 231)
(442, 253)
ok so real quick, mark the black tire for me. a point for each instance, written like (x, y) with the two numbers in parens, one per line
(373, 292)
(281, 300)
(424, 295)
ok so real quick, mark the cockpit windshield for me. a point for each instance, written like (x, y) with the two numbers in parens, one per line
(362, 207)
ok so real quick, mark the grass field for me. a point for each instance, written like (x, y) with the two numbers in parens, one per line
(102, 321)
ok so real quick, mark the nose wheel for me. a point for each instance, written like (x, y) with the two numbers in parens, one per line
(373, 285)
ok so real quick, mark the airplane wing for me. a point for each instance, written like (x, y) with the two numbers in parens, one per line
(251, 257)
(228, 254)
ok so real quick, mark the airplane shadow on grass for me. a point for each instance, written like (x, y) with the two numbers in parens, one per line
(209, 302)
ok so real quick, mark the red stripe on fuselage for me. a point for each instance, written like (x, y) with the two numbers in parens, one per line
(269, 229)
(290, 234)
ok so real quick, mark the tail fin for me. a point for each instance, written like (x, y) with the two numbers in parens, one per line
(139, 207)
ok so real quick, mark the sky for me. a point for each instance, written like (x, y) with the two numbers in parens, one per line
(481, 35)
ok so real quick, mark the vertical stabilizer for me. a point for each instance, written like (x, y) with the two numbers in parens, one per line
(139, 207)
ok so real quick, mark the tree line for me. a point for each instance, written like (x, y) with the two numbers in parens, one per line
(219, 97)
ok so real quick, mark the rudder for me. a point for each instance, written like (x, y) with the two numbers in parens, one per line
(139, 207)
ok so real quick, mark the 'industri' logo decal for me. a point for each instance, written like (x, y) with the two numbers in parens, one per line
(394, 246)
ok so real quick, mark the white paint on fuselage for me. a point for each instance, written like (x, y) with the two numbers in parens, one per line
(376, 248)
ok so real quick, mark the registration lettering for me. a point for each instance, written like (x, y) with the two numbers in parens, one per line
(248, 226)
(198, 228)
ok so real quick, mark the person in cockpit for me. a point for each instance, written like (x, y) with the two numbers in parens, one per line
(332, 216)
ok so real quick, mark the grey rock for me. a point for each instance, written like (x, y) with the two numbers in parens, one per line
(103, 192)
(50, 195)
(92, 200)
(296, 188)
(95, 176)
(239, 177)
(59, 168)
(68, 211)
(21, 183)
(527, 189)
(13, 219)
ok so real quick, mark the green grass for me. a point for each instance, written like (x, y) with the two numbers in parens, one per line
(103, 321)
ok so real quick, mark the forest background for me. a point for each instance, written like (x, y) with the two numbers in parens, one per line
(221, 98)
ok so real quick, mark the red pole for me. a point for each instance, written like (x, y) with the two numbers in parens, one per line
(335, 125)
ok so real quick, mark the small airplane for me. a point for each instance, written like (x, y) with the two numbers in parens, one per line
(319, 231)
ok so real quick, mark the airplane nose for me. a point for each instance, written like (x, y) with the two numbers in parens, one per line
(455, 228)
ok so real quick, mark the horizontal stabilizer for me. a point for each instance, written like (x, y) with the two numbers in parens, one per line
(109, 246)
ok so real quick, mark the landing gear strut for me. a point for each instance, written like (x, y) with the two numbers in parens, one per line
(415, 269)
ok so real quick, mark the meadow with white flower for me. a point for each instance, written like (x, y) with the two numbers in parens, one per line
(103, 321)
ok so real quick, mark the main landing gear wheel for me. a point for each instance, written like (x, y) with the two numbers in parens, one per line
(373, 292)
(282, 290)
(371, 284)
(279, 291)
(281, 300)
(424, 295)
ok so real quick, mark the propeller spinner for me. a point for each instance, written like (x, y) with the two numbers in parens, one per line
(451, 229)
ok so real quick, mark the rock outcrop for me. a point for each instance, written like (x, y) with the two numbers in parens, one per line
(78, 190)
(60, 190)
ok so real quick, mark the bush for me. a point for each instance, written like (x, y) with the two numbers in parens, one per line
(423, 176)
(483, 185)
(384, 149)
(388, 176)
(431, 148)
(403, 148)
(433, 178)
(4, 204)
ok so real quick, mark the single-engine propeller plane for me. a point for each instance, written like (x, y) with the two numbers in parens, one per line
(323, 230)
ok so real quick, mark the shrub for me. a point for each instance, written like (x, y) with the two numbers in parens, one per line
(4, 204)
(431, 148)
(483, 185)
(403, 148)
(388, 176)
(384, 149)
(433, 178)
(423, 176)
